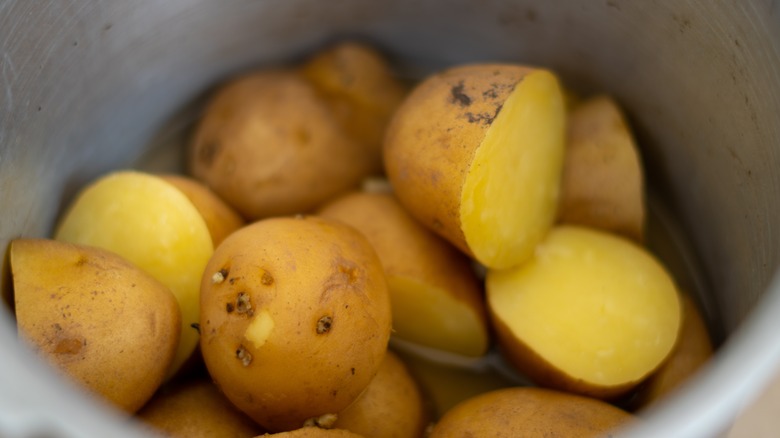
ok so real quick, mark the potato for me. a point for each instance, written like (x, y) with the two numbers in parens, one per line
(269, 145)
(603, 179)
(100, 320)
(153, 225)
(693, 350)
(530, 412)
(196, 409)
(436, 298)
(590, 313)
(476, 152)
(390, 407)
(220, 218)
(295, 319)
(314, 432)
(359, 87)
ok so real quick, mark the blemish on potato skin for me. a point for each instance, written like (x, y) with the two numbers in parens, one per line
(219, 276)
(458, 96)
(243, 355)
(244, 304)
(69, 346)
(267, 279)
(208, 152)
(229, 307)
(324, 324)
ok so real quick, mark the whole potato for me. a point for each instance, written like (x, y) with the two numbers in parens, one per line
(295, 319)
(391, 407)
(530, 412)
(269, 145)
(476, 152)
(94, 316)
(194, 409)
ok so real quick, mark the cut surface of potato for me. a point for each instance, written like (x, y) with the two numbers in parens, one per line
(97, 318)
(590, 313)
(153, 225)
(436, 298)
(510, 193)
(603, 179)
(530, 412)
(475, 153)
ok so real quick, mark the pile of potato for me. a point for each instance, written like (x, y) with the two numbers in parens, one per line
(260, 293)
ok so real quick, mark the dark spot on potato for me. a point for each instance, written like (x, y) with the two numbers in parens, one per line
(82, 260)
(244, 356)
(352, 370)
(229, 307)
(267, 279)
(69, 346)
(485, 117)
(324, 324)
(244, 304)
(196, 326)
(458, 96)
(208, 152)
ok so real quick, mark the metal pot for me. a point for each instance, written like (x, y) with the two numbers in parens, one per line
(90, 86)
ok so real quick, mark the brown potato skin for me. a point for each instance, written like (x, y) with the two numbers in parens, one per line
(530, 412)
(297, 271)
(390, 407)
(314, 432)
(221, 219)
(359, 86)
(269, 145)
(431, 140)
(603, 179)
(100, 320)
(694, 348)
(406, 248)
(196, 409)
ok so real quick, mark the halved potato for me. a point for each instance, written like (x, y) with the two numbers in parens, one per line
(590, 313)
(436, 298)
(603, 179)
(99, 319)
(153, 225)
(476, 152)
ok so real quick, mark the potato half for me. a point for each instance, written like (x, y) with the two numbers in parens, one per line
(530, 412)
(603, 180)
(436, 298)
(590, 313)
(476, 152)
(196, 409)
(152, 224)
(97, 318)
(295, 319)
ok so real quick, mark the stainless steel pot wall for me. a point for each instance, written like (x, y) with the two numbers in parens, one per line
(85, 85)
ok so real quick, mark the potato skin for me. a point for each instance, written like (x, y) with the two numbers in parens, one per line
(97, 318)
(358, 84)
(431, 140)
(269, 145)
(390, 407)
(298, 323)
(530, 412)
(314, 432)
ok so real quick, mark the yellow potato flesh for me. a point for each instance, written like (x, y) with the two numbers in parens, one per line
(509, 197)
(154, 226)
(426, 315)
(596, 307)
